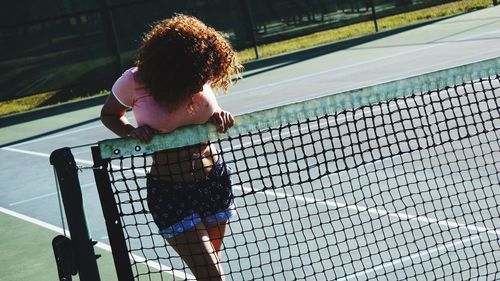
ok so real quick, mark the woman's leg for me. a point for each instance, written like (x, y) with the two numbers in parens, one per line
(198, 252)
(216, 233)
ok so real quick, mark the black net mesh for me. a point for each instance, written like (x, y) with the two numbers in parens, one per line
(406, 189)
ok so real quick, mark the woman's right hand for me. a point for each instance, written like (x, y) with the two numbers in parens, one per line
(223, 120)
(144, 133)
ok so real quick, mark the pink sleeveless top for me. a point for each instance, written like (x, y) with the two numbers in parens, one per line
(130, 92)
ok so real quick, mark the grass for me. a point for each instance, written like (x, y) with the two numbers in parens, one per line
(364, 28)
(272, 49)
(40, 100)
(24, 104)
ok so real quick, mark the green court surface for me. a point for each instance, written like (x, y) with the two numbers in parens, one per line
(27, 255)
(27, 252)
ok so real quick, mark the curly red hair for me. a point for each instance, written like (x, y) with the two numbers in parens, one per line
(180, 55)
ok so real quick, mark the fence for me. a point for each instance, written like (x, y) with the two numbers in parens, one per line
(86, 44)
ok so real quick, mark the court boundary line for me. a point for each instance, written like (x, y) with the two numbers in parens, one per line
(381, 212)
(55, 193)
(101, 245)
(56, 135)
(41, 154)
(418, 255)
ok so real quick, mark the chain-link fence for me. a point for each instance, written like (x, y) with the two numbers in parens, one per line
(46, 45)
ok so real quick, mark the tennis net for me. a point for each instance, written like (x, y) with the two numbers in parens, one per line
(398, 181)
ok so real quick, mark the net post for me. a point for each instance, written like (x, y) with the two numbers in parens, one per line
(110, 33)
(250, 25)
(112, 218)
(82, 246)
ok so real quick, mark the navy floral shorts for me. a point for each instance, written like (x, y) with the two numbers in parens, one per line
(179, 206)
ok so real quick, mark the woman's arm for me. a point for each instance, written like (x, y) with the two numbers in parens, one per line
(113, 117)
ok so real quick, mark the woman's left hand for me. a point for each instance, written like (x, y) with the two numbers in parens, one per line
(223, 120)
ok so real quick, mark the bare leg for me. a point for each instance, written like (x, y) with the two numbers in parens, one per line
(216, 233)
(198, 252)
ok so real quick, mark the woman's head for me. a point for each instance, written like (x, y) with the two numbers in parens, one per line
(180, 55)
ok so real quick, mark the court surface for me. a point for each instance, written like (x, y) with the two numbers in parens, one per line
(28, 185)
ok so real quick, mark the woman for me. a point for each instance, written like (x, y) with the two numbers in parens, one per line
(178, 63)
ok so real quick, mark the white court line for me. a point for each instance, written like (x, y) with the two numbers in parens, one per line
(100, 245)
(381, 212)
(79, 152)
(32, 220)
(57, 135)
(354, 65)
(306, 76)
(9, 148)
(45, 155)
(450, 246)
(44, 196)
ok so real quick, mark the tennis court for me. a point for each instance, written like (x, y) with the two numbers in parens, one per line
(393, 58)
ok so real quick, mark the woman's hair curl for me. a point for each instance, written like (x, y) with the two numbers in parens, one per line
(180, 55)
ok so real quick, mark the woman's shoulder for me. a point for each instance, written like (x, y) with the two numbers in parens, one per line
(207, 96)
(127, 88)
(127, 78)
(130, 75)
(203, 104)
